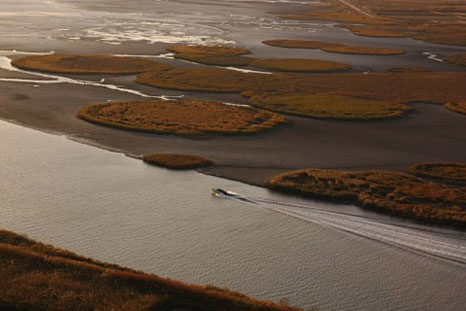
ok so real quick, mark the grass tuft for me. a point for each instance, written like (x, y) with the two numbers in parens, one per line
(456, 107)
(177, 161)
(459, 59)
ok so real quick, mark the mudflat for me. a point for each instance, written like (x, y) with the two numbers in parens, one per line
(429, 133)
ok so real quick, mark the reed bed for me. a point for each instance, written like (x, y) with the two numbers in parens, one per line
(389, 192)
(177, 161)
(96, 64)
(189, 117)
(41, 277)
(332, 47)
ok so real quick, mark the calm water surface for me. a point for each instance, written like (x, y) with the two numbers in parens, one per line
(117, 209)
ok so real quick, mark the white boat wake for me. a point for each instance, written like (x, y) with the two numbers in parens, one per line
(431, 243)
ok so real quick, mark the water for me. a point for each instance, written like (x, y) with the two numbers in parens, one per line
(118, 209)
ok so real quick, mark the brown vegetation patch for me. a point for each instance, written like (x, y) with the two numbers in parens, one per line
(177, 161)
(409, 69)
(457, 107)
(300, 65)
(332, 47)
(215, 60)
(396, 87)
(181, 117)
(378, 32)
(459, 59)
(330, 106)
(391, 192)
(66, 63)
(40, 277)
(200, 79)
(208, 49)
(435, 21)
(446, 172)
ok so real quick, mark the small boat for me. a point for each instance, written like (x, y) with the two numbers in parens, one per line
(229, 194)
(219, 191)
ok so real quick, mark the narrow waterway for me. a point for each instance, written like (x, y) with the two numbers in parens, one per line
(117, 209)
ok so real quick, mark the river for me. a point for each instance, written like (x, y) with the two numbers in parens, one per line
(117, 209)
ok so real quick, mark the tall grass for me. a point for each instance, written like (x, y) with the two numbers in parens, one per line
(35, 276)
(67, 63)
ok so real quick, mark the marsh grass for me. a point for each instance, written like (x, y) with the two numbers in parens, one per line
(434, 21)
(67, 63)
(459, 107)
(215, 59)
(188, 117)
(459, 59)
(332, 47)
(395, 193)
(379, 94)
(40, 277)
(330, 106)
(177, 161)
(407, 69)
(208, 49)
(299, 65)
(445, 172)
(200, 79)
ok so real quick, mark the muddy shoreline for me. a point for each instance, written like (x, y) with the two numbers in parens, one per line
(428, 133)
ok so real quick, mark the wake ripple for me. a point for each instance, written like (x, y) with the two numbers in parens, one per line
(430, 243)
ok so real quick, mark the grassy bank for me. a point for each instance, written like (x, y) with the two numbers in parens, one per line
(181, 117)
(67, 63)
(300, 65)
(41, 277)
(389, 192)
(177, 161)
